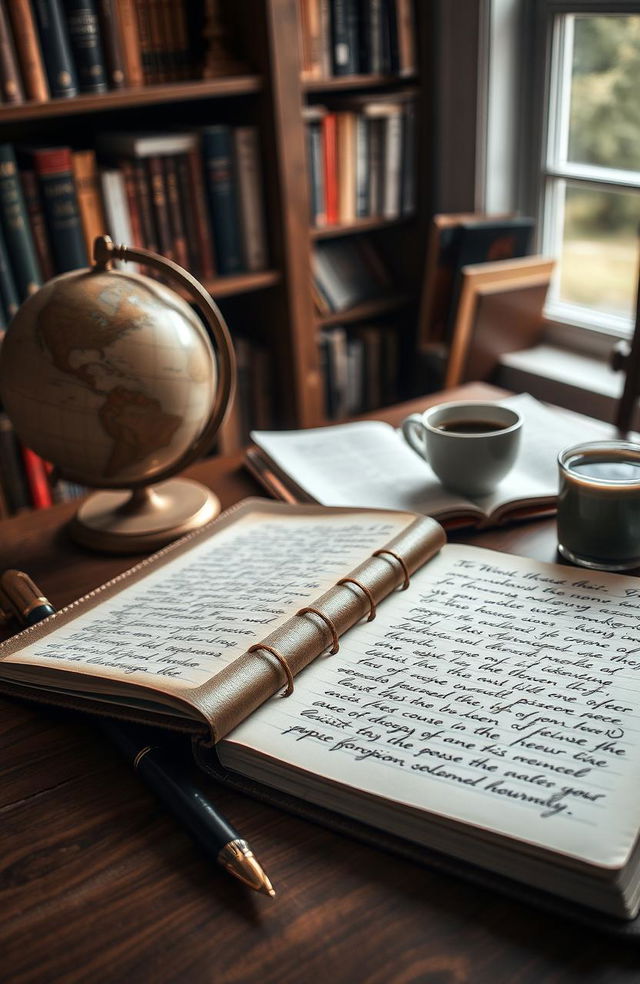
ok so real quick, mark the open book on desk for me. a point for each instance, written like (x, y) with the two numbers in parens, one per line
(368, 463)
(489, 715)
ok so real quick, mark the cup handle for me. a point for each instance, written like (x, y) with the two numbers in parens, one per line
(411, 429)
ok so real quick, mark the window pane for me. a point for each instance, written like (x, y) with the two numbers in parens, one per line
(599, 257)
(604, 126)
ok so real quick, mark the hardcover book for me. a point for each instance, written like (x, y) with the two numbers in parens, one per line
(484, 719)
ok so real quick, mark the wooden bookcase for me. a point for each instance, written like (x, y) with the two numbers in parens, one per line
(273, 305)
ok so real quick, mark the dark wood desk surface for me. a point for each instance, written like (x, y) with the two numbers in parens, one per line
(97, 883)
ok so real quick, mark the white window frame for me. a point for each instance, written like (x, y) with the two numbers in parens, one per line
(543, 168)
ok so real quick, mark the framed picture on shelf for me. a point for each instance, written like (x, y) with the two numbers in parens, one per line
(500, 309)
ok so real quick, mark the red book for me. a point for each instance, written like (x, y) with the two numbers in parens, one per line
(135, 217)
(330, 168)
(36, 472)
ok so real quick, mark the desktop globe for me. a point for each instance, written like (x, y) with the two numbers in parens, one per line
(112, 377)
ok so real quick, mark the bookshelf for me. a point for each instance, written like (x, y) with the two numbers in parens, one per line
(272, 306)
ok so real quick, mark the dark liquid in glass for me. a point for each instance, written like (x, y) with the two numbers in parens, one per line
(599, 507)
(470, 426)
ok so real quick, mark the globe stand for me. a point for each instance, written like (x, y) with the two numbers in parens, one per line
(143, 519)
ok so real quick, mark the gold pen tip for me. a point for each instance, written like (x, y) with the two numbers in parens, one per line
(240, 861)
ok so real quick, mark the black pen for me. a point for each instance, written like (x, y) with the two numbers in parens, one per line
(162, 769)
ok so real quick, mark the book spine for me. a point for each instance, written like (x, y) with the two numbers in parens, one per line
(176, 220)
(316, 41)
(391, 37)
(250, 195)
(188, 211)
(407, 62)
(37, 479)
(371, 60)
(316, 174)
(158, 42)
(111, 43)
(115, 205)
(14, 480)
(37, 222)
(180, 33)
(344, 21)
(174, 59)
(55, 175)
(330, 167)
(129, 37)
(8, 291)
(409, 163)
(143, 197)
(10, 81)
(28, 48)
(56, 49)
(203, 229)
(146, 44)
(86, 45)
(376, 159)
(362, 167)
(218, 157)
(15, 225)
(346, 167)
(160, 206)
(392, 165)
(87, 183)
(135, 218)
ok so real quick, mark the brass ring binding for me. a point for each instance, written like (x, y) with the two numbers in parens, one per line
(335, 645)
(407, 580)
(281, 660)
(370, 598)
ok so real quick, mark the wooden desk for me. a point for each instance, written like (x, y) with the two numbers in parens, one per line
(98, 884)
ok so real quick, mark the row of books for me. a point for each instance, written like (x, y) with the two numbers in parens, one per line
(55, 49)
(347, 273)
(253, 403)
(360, 368)
(361, 161)
(26, 481)
(194, 197)
(357, 37)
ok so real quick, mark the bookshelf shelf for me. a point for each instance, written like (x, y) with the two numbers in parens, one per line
(348, 82)
(361, 225)
(370, 309)
(238, 85)
(242, 283)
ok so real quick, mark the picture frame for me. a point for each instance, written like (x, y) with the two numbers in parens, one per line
(500, 310)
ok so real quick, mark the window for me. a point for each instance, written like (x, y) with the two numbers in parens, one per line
(589, 188)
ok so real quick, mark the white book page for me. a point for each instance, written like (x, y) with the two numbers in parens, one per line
(366, 463)
(546, 431)
(498, 691)
(178, 626)
(369, 464)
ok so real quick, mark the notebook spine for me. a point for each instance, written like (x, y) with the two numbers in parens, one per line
(242, 686)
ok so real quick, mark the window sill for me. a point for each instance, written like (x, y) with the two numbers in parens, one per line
(568, 379)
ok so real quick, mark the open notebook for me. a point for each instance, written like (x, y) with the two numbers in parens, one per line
(489, 713)
(368, 463)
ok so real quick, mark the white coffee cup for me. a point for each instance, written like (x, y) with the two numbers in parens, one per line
(470, 446)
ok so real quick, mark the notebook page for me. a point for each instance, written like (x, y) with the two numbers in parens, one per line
(497, 690)
(184, 621)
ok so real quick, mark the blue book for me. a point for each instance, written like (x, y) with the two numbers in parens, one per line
(15, 226)
(222, 189)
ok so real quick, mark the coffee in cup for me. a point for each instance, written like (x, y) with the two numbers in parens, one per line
(470, 446)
